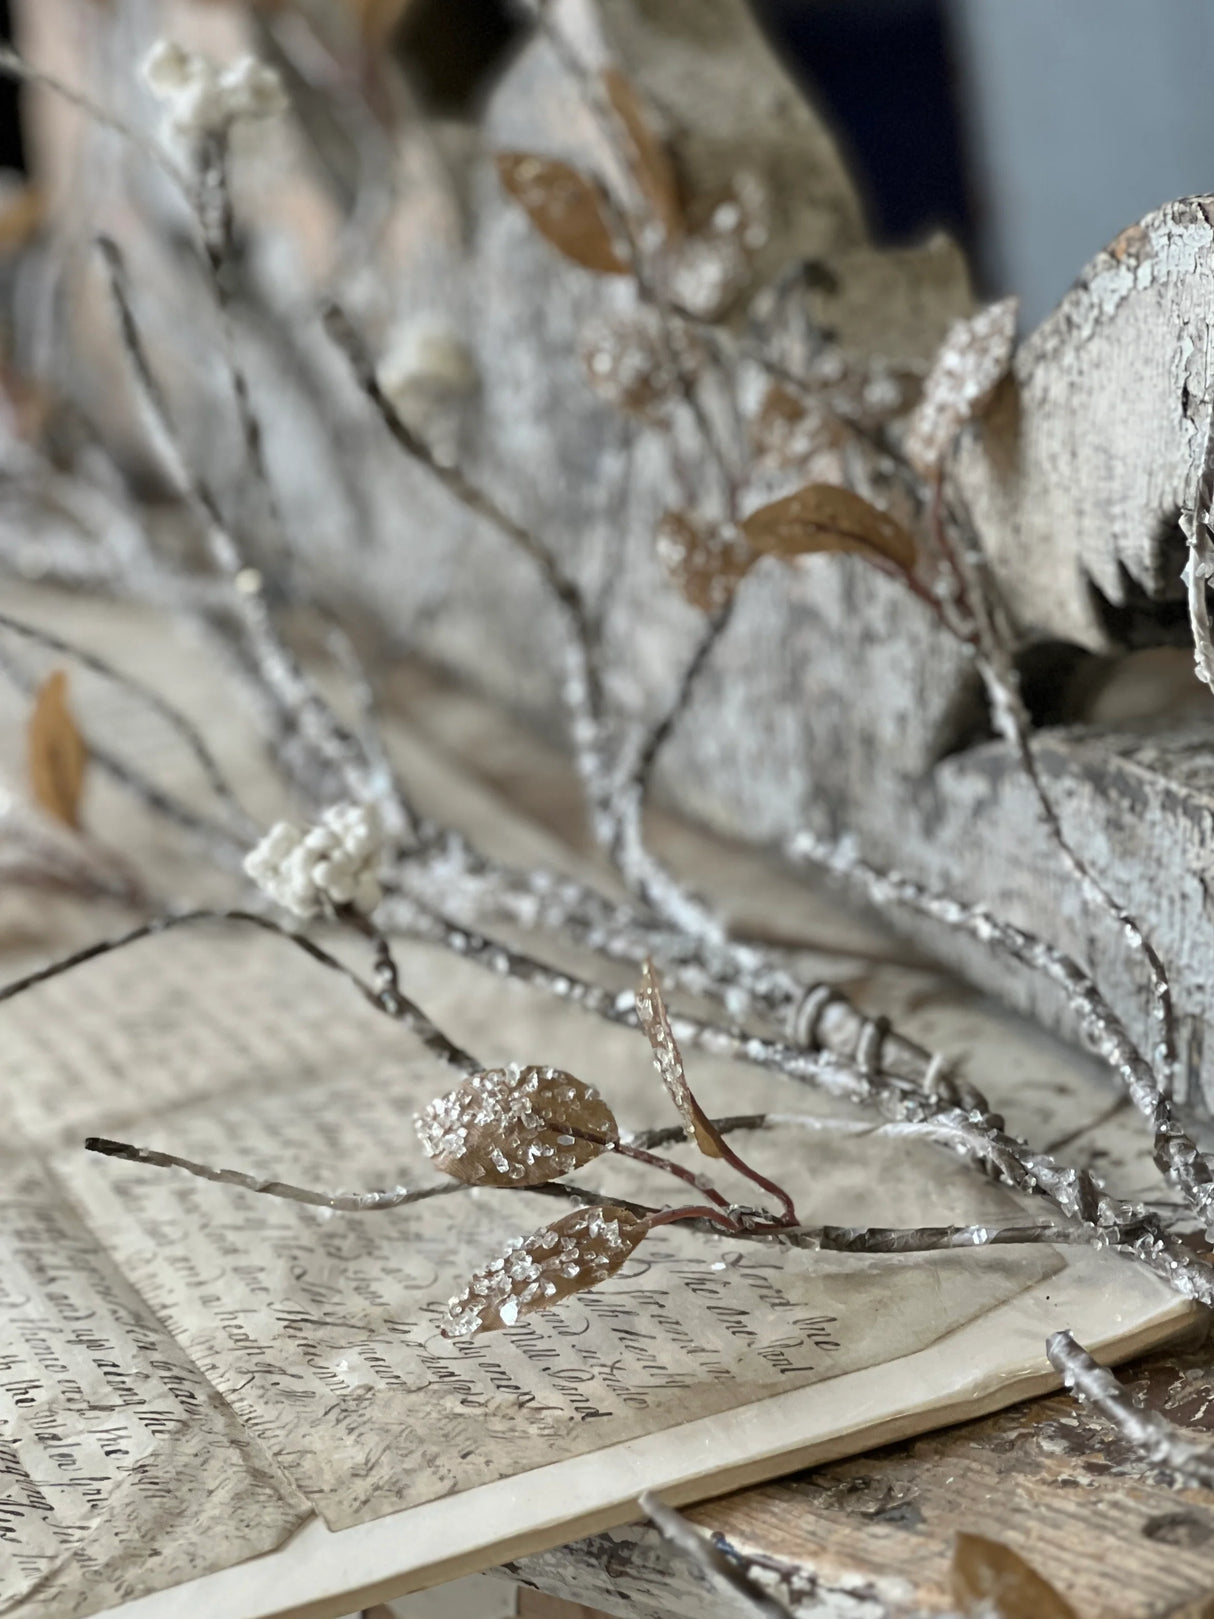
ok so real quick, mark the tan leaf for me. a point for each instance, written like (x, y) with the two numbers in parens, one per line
(707, 564)
(516, 1127)
(565, 206)
(58, 758)
(574, 1253)
(668, 1060)
(827, 517)
(971, 363)
(649, 160)
(993, 1581)
(22, 212)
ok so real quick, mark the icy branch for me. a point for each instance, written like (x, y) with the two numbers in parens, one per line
(1160, 1441)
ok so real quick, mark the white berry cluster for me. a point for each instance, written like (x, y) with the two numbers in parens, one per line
(203, 99)
(333, 863)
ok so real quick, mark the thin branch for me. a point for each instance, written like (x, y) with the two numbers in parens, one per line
(707, 1559)
(16, 67)
(341, 330)
(388, 1000)
(1161, 1442)
(614, 815)
(395, 1197)
(1176, 1153)
(455, 878)
(1007, 705)
(929, 1239)
(297, 698)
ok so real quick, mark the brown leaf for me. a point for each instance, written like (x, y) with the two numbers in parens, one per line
(993, 1581)
(22, 213)
(565, 206)
(650, 162)
(827, 517)
(58, 758)
(707, 564)
(578, 1251)
(516, 1127)
(668, 1060)
(971, 363)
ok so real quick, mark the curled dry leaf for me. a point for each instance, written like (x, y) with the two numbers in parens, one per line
(578, 1251)
(706, 563)
(668, 1060)
(827, 517)
(516, 1127)
(972, 361)
(993, 1581)
(58, 758)
(565, 206)
(650, 162)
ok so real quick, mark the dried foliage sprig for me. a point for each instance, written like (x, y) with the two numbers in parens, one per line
(1176, 1153)
(644, 232)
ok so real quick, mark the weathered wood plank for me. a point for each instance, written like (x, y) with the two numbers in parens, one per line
(872, 1538)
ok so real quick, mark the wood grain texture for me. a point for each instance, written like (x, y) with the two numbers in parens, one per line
(872, 1538)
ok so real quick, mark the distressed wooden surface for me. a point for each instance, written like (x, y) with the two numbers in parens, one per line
(872, 1538)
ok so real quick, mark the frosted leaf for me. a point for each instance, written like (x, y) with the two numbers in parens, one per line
(565, 206)
(648, 158)
(970, 365)
(827, 517)
(706, 563)
(578, 1251)
(668, 1060)
(515, 1127)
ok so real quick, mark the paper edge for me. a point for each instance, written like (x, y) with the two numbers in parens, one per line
(385, 1551)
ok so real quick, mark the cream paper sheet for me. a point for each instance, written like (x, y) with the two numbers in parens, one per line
(209, 1368)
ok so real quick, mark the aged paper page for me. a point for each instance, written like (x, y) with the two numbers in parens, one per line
(322, 1332)
(121, 1469)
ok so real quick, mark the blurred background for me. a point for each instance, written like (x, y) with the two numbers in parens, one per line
(1033, 130)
